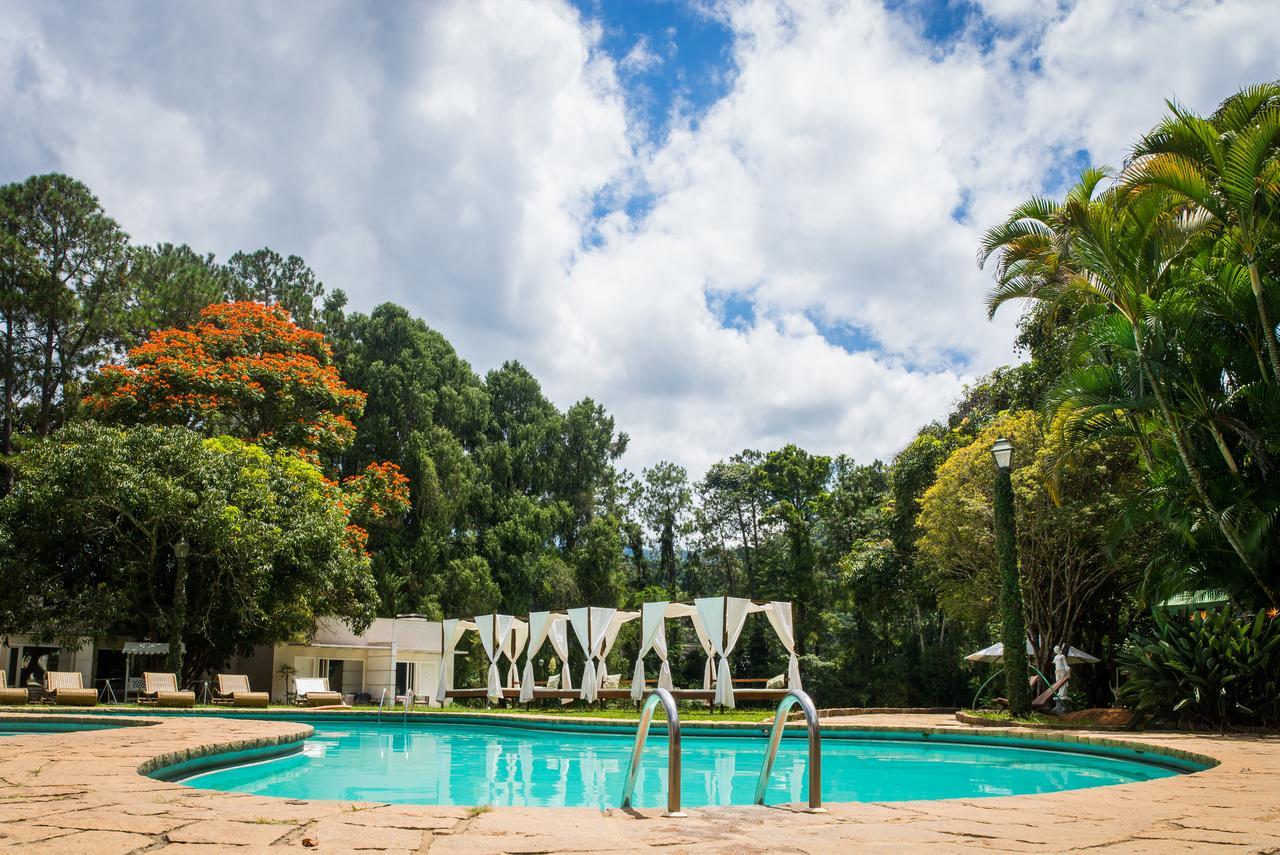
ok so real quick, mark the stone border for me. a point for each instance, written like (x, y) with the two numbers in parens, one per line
(151, 766)
(978, 721)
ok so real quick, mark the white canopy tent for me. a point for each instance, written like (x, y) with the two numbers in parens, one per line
(653, 636)
(140, 648)
(500, 635)
(718, 623)
(544, 625)
(597, 629)
(451, 632)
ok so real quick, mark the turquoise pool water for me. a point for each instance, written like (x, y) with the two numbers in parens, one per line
(19, 728)
(478, 764)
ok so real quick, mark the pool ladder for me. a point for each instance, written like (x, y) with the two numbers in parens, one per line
(657, 696)
(662, 696)
(409, 699)
(814, 768)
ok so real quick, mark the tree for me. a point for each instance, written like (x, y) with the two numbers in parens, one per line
(731, 503)
(1227, 168)
(795, 484)
(168, 287)
(87, 542)
(64, 287)
(245, 370)
(667, 501)
(1065, 502)
(264, 276)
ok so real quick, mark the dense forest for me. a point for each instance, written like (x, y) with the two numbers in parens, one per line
(323, 460)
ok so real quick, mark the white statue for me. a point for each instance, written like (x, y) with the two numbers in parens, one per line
(1061, 675)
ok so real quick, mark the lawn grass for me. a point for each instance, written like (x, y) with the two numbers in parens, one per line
(619, 713)
(1005, 717)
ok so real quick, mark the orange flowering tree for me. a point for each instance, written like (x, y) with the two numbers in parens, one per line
(246, 370)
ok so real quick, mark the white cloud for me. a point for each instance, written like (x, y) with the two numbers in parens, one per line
(449, 157)
(640, 58)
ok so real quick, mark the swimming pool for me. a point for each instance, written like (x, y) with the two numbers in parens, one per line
(449, 763)
(21, 728)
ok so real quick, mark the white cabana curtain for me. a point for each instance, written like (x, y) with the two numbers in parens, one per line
(512, 647)
(779, 614)
(611, 635)
(559, 636)
(653, 620)
(704, 639)
(723, 618)
(653, 636)
(540, 624)
(591, 625)
(494, 630)
(453, 630)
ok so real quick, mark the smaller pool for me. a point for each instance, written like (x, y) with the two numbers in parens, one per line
(20, 728)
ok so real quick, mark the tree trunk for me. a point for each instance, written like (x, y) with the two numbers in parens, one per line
(1268, 325)
(6, 429)
(45, 416)
(178, 619)
(667, 554)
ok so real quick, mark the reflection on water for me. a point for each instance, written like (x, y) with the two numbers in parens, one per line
(486, 765)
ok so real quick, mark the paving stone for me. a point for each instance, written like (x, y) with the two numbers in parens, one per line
(229, 833)
(91, 843)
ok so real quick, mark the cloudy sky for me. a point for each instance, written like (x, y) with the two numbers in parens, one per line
(736, 223)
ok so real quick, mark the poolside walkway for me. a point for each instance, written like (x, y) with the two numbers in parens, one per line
(81, 793)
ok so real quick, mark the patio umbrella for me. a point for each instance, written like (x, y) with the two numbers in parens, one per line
(994, 653)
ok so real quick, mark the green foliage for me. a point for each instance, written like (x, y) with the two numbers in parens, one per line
(62, 297)
(1153, 300)
(90, 526)
(1213, 669)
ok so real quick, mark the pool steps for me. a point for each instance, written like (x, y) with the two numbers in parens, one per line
(794, 698)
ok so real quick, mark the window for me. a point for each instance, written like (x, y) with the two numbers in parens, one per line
(406, 677)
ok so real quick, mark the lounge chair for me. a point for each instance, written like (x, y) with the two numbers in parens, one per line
(161, 690)
(314, 692)
(233, 691)
(1046, 697)
(11, 697)
(66, 689)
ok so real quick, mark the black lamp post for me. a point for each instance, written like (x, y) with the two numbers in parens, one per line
(1013, 625)
(178, 618)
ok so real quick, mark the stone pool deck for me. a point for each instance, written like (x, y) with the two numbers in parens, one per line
(82, 793)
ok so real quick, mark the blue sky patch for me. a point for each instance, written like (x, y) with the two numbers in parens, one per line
(732, 309)
(669, 55)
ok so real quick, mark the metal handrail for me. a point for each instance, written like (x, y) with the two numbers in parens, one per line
(657, 696)
(814, 772)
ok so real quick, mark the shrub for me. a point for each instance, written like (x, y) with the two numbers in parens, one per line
(1214, 669)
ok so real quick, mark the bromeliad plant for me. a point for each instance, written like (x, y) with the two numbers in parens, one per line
(1213, 669)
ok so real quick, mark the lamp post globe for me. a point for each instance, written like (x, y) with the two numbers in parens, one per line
(1002, 451)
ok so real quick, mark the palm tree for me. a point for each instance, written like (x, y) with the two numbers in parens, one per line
(1225, 168)
(1126, 258)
